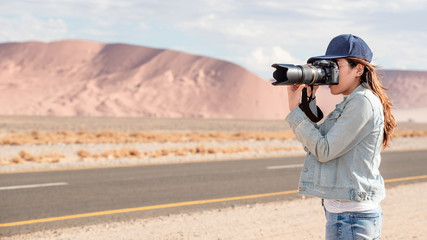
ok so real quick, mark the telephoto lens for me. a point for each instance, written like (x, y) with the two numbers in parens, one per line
(322, 72)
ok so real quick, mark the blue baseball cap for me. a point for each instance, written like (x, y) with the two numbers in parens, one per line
(346, 45)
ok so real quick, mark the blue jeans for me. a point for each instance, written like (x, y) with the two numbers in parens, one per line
(354, 225)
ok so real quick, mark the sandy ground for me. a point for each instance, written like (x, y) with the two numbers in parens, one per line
(404, 218)
(404, 207)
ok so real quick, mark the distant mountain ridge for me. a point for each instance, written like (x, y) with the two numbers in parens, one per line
(407, 89)
(83, 78)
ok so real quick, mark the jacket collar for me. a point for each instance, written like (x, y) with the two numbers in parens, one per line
(359, 89)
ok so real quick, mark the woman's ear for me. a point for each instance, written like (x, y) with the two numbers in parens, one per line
(359, 69)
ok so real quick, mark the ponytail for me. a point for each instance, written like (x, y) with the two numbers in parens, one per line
(370, 80)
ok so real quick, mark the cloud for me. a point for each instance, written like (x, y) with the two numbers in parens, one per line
(261, 58)
(27, 28)
(143, 26)
(400, 50)
(253, 33)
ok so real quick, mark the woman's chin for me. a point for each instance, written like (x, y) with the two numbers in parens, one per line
(333, 90)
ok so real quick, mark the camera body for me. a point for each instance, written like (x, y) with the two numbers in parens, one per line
(321, 72)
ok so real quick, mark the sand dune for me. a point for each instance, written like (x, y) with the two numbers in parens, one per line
(70, 78)
(82, 78)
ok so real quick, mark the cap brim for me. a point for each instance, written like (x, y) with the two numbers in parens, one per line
(324, 57)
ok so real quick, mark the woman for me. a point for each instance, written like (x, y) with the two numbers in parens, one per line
(343, 153)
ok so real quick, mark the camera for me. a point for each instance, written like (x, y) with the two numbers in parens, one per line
(321, 72)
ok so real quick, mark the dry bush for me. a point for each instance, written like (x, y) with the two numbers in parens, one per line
(51, 158)
(27, 156)
(278, 149)
(43, 158)
(82, 137)
(107, 136)
(135, 153)
(83, 154)
(124, 152)
(201, 149)
(17, 160)
(130, 152)
(410, 134)
(181, 152)
(110, 154)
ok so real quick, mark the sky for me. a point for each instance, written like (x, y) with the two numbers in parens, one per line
(251, 33)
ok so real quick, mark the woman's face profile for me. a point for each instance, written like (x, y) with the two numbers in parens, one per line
(348, 78)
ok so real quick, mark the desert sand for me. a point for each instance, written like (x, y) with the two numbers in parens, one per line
(82, 78)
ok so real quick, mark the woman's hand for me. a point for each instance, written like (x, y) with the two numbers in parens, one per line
(309, 90)
(294, 94)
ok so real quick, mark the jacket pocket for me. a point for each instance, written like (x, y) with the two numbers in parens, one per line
(309, 169)
(330, 121)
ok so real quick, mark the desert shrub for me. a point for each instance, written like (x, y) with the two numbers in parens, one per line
(27, 156)
(201, 149)
(17, 160)
(135, 153)
(410, 134)
(83, 154)
(107, 136)
(130, 152)
(96, 137)
(51, 158)
(43, 158)
(114, 153)
(277, 149)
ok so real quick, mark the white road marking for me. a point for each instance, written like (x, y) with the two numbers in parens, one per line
(285, 166)
(33, 186)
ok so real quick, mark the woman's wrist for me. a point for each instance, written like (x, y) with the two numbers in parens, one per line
(293, 105)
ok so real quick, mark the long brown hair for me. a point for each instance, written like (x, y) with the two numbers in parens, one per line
(370, 79)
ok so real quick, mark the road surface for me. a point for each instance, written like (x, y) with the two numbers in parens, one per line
(51, 199)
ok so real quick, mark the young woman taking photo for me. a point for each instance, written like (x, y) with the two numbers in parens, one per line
(343, 152)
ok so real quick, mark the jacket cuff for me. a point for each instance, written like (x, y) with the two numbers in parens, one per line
(295, 117)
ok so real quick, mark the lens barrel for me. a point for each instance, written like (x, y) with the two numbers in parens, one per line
(289, 74)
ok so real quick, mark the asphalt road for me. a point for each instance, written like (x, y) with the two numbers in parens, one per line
(41, 200)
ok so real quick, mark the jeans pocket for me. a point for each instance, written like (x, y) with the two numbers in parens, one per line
(366, 225)
(366, 215)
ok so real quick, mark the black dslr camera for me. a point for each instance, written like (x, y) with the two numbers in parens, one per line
(321, 72)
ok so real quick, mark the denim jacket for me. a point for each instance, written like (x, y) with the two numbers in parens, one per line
(343, 153)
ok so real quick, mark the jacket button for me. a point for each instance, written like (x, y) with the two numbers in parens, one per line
(305, 169)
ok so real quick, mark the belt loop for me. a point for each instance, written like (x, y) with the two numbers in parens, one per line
(323, 201)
